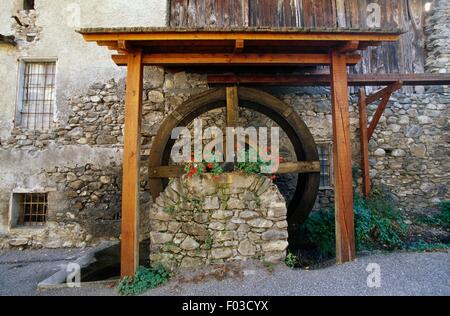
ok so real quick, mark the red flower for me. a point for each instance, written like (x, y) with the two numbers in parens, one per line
(210, 166)
(192, 172)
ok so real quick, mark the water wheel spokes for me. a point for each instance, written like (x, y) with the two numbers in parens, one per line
(307, 165)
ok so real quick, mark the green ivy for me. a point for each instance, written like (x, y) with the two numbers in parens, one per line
(170, 209)
(145, 279)
(209, 242)
(197, 205)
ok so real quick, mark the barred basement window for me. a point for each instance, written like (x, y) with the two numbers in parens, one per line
(36, 103)
(325, 150)
(31, 209)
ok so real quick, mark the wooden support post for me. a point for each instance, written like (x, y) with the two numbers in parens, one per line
(232, 106)
(131, 166)
(364, 143)
(342, 160)
(232, 113)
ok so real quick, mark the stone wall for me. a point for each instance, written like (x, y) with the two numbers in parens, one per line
(409, 151)
(438, 34)
(208, 219)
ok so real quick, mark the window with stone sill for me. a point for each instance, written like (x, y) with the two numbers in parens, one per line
(325, 149)
(36, 95)
(29, 209)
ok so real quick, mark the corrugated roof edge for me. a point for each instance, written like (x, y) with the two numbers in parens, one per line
(94, 30)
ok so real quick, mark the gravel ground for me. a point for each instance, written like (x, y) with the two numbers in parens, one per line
(401, 274)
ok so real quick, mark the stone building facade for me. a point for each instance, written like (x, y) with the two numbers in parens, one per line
(77, 162)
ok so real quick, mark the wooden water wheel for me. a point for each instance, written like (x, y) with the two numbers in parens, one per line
(307, 165)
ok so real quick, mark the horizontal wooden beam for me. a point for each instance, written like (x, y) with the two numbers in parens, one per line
(234, 35)
(235, 59)
(299, 167)
(166, 172)
(348, 47)
(284, 168)
(324, 79)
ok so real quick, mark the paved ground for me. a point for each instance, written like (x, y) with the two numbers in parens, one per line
(401, 274)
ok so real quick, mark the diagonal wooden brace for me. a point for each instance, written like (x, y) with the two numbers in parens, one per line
(367, 132)
(385, 96)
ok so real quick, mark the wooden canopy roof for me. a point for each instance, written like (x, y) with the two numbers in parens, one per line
(237, 46)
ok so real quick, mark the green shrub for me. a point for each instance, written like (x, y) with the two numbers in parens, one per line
(145, 279)
(378, 225)
(444, 217)
(291, 260)
(319, 230)
(424, 246)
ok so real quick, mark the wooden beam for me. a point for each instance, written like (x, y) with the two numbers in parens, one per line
(181, 59)
(325, 79)
(342, 161)
(131, 166)
(239, 46)
(165, 35)
(348, 47)
(284, 168)
(364, 143)
(124, 46)
(232, 106)
(163, 172)
(232, 112)
(299, 167)
(385, 94)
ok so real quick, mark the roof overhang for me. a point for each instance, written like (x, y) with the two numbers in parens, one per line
(237, 46)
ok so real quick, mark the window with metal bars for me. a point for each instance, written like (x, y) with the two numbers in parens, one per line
(36, 95)
(325, 150)
(32, 209)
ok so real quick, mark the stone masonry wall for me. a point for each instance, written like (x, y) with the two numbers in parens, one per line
(409, 152)
(438, 34)
(207, 219)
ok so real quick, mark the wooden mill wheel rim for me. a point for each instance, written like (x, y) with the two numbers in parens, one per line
(289, 121)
